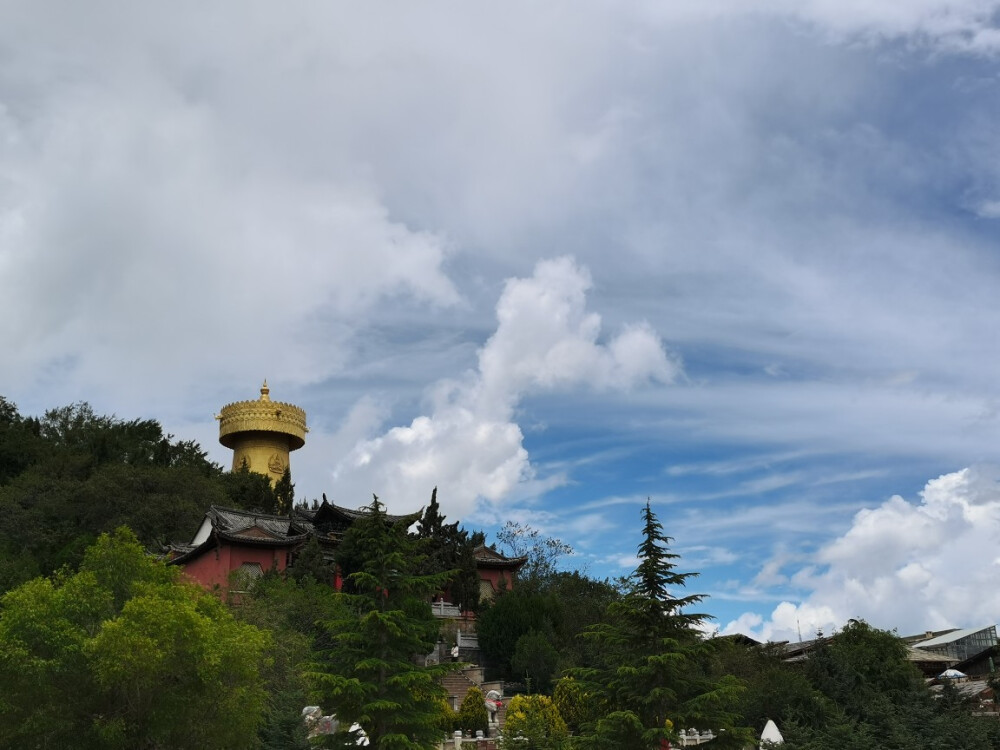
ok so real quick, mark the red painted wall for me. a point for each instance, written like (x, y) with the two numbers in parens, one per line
(214, 566)
(493, 576)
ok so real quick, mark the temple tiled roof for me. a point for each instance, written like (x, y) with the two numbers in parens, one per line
(235, 521)
(328, 523)
(487, 557)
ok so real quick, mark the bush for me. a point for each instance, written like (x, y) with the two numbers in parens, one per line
(472, 713)
(536, 719)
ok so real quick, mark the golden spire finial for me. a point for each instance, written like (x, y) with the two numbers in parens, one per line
(265, 392)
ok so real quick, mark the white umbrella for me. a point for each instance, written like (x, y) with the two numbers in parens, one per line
(951, 674)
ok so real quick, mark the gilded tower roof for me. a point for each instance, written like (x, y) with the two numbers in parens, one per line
(262, 415)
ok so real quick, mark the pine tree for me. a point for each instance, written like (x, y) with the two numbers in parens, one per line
(449, 548)
(654, 674)
(369, 674)
(284, 493)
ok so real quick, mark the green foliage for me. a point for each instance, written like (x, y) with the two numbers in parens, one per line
(289, 608)
(558, 609)
(124, 655)
(367, 673)
(655, 669)
(512, 615)
(536, 659)
(856, 690)
(880, 697)
(448, 720)
(472, 714)
(448, 548)
(248, 490)
(862, 667)
(310, 563)
(284, 494)
(775, 690)
(543, 553)
(73, 475)
(533, 723)
(575, 704)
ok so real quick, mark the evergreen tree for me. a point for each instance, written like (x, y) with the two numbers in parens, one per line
(472, 714)
(284, 494)
(448, 548)
(369, 675)
(653, 673)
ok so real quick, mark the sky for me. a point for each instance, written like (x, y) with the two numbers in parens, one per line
(736, 258)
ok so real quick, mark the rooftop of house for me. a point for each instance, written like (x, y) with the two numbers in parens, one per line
(950, 637)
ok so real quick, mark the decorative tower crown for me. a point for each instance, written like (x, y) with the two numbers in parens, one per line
(261, 433)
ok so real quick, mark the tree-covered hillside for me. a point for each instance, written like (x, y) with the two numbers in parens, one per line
(71, 475)
(102, 646)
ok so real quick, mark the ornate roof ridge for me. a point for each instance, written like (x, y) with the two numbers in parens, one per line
(249, 513)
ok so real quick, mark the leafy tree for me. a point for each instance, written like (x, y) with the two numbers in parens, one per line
(72, 475)
(577, 603)
(775, 690)
(289, 608)
(123, 654)
(533, 723)
(654, 670)
(20, 441)
(880, 701)
(55, 517)
(368, 674)
(472, 714)
(861, 667)
(543, 553)
(558, 609)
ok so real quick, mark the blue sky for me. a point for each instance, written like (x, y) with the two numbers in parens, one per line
(739, 258)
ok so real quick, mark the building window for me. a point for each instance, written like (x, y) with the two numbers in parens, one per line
(245, 575)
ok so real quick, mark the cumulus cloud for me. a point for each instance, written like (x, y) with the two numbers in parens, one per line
(470, 444)
(911, 566)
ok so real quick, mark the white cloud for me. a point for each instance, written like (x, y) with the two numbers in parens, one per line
(470, 446)
(909, 566)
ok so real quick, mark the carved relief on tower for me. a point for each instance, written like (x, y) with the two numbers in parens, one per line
(275, 464)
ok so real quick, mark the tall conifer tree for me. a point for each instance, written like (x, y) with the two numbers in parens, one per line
(653, 674)
(369, 675)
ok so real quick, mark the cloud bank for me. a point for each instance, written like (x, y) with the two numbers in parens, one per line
(470, 445)
(927, 565)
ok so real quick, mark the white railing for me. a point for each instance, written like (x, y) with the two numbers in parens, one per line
(445, 609)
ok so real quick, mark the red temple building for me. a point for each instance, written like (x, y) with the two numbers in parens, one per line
(233, 546)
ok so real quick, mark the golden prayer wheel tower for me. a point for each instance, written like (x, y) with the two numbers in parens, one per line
(262, 433)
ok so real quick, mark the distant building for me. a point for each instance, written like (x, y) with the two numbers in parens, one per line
(971, 651)
(960, 645)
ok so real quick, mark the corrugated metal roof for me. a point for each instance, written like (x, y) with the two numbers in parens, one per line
(943, 640)
(916, 654)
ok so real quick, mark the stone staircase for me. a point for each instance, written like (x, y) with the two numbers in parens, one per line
(457, 684)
